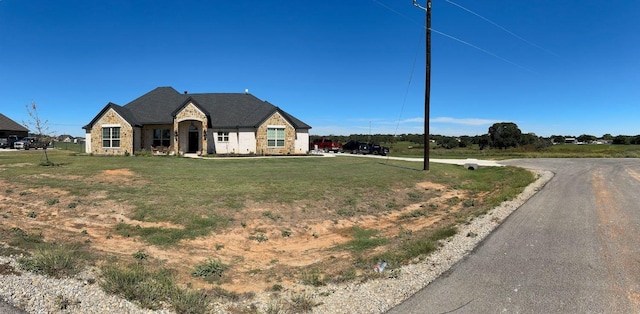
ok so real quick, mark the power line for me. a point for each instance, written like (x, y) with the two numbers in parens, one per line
(483, 50)
(455, 38)
(501, 27)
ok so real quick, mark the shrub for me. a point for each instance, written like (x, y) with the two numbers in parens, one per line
(136, 283)
(212, 270)
(53, 260)
(189, 301)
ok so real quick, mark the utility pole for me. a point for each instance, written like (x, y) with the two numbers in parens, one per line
(427, 83)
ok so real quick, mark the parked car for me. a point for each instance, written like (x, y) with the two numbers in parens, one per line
(4, 143)
(11, 140)
(356, 147)
(326, 145)
(27, 143)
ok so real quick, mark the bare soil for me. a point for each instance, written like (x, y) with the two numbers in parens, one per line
(254, 265)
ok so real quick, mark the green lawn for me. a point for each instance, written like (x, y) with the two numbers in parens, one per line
(287, 194)
(405, 149)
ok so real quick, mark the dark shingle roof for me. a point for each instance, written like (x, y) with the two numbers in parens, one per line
(122, 111)
(7, 124)
(224, 110)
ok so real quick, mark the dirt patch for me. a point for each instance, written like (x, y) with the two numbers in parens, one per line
(265, 246)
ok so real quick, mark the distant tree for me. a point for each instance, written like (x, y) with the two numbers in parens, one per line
(558, 139)
(585, 138)
(607, 137)
(504, 135)
(621, 140)
(483, 141)
(447, 142)
(465, 141)
(41, 128)
(635, 140)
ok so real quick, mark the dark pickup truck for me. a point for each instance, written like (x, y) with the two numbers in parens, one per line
(356, 147)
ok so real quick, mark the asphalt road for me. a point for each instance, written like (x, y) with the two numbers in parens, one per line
(572, 248)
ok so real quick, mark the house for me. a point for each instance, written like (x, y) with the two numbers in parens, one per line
(9, 127)
(164, 120)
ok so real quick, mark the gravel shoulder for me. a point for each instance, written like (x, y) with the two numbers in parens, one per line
(40, 294)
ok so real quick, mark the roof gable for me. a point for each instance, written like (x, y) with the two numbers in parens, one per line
(10, 125)
(123, 112)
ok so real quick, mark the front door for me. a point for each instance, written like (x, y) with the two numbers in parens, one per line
(193, 140)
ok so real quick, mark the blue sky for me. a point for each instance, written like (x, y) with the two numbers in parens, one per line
(553, 67)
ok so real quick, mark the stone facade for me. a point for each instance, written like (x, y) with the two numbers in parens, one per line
(289, 137)
(190, 113)
(112, 118)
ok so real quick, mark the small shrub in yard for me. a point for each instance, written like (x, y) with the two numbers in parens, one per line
(312, 278)
(212, 270)
(301, 304)
(189, 301)
(53, 260)
(137, 283)
(52, 202)
(140, 255)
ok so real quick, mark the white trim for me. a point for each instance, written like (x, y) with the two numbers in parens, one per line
(111, 125)
(276, 126)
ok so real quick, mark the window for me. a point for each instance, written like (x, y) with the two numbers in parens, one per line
(111, 137)
(161, 137)
(223, 136)
(275, 137)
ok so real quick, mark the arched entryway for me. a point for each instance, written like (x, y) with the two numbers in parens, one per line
(193, 145)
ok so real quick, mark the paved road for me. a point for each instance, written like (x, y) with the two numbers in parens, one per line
(572, 248)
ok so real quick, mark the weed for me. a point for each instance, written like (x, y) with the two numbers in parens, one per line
(72, 205)
(260, 237)
(219, 247)
(363, 240)
(62, 302)
(212, 270)
(346, 212)
(414, 214)
(188, 301)
(469, 203)
(8, 191)
(271, 215)
(312, 278)
(414, 196)
(274, 308)
(52, 201)
(84, 232)
(302, 303)
(53, 260)
(140, 255)
(286, 233)
(32, 214)
(137, 283)
(277, 287)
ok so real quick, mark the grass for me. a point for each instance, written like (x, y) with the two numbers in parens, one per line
(202, 196)
(55, 260)
(152, 288)
(402, 149)
(198, 197)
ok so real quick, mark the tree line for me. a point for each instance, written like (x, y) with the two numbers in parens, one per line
(500, 135)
